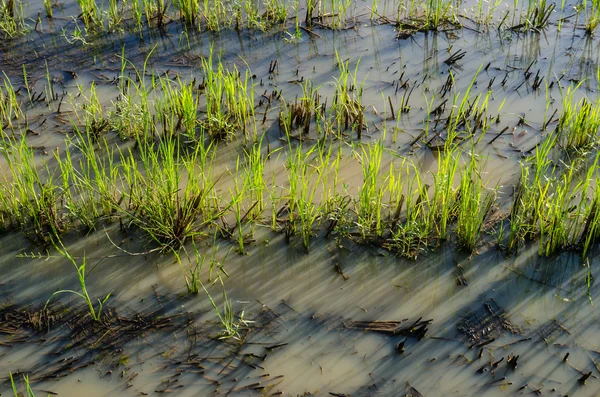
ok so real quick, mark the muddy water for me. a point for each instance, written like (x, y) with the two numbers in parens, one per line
(301, 306)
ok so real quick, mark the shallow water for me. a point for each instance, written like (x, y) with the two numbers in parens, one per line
(305, 301)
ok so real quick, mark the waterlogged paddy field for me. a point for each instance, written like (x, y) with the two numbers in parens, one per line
(302, 199)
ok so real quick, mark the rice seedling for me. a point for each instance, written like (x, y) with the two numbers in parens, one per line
(49, 88)
(254, 176)
(247, 10)
(150, 9)
(558, 217)
(579, 122)
(231, 326)
(424, 16)
(48, 8)
(229, 101)
(78, 35)
(334, 13)
(94, 120)
(303, 179)
(331, 156)
(442, 204)
(95, 312)
(589, 279)
(28, 390)
(438, 12)
(311, 7)
(588, 210)
(137, 13)
(92, 186)
(275, 198)
(593, 17)
(410, 234)
(474, 204)
(131, 116)
(530, 195)
(484, 16)
(78, 208)
(90, 14)
(12, 19)
(216, 16)
(371, 193)
(346, 107)
(300, 114)
(467, 114)
(32, 196)
(10, 107)
(189, 11)
(115, 15)
(192, 276)
(536, 16)
(238, 194)
(177, 109)
(26, 82)
(276, 11)
(395, 187)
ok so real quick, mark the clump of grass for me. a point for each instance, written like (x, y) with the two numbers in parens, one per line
(232, 327)
(193, 281)
(238, 194)
(154, 199)
(484, 17)
(115, 15)
(138, 13)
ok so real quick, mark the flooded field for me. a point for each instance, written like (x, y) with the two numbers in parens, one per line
(335, 198)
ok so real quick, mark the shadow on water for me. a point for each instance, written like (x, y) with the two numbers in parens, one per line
(303, 306)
